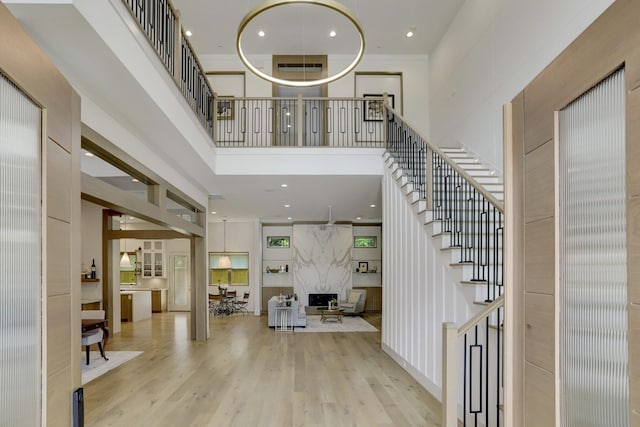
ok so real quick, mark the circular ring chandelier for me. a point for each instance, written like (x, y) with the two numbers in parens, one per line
(270, 4)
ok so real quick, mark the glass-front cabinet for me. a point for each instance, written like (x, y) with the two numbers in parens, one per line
(153, 258)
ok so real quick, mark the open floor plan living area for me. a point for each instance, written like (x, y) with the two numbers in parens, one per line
(319, 213)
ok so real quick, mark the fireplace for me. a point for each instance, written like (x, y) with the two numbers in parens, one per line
(319, 300)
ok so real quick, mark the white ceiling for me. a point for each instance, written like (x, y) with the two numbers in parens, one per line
(214, 24)
(94, 69)
(308, 197)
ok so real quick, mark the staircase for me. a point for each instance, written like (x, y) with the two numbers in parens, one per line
(459, 200)
(458, 238)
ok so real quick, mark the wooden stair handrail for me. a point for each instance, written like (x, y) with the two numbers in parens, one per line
(490, 197)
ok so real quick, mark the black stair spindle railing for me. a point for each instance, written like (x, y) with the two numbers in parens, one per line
(482, 374)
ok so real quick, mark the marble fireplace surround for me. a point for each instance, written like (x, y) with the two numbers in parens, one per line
(321, 260)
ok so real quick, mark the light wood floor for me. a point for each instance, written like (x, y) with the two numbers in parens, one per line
(248, 375)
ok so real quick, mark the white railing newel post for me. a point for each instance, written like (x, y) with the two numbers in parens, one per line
(449, 375)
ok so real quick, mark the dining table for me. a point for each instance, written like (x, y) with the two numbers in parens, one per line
(222, 305)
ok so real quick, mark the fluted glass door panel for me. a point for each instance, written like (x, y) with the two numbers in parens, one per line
(20, 258)
(594, 387)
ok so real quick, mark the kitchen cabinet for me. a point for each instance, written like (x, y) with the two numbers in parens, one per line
(153, 264)
(158, 300)
(126, 306)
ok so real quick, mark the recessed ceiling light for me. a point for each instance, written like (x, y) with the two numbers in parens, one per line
(188, 33)
(289, 218)
(332, 33)
(214, 212)
(89, 154)
(261, 33)
(411, 32)
(287, 206)
(135, 180)
(284, 185)
(372, 206)
(358, 217)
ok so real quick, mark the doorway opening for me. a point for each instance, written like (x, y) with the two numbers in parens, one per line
(299, 122)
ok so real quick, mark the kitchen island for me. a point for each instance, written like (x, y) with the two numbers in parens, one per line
(135, 305)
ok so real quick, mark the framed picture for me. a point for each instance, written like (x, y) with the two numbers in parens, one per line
(373, 111)
(363, 266)
(224, 108)
(379, 82)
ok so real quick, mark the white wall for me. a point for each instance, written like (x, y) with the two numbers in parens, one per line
(420, 291)
(490, 52)
(414, 70)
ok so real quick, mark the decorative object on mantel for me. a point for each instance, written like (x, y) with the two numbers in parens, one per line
(363, 266)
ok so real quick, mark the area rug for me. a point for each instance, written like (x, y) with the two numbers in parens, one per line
(98, 366)
(349, 324)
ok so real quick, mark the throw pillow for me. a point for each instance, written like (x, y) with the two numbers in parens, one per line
(353, 297)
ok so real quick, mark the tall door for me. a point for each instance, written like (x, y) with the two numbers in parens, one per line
(301, 68)
(179, 286)
(571, 203)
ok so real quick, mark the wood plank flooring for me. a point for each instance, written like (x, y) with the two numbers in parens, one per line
(248, 375)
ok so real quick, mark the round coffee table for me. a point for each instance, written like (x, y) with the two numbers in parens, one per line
(333, 313)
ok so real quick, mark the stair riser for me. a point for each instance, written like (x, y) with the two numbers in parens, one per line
(466, 273)
(454, 255)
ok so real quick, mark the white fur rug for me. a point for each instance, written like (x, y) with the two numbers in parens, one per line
(349, 324)
(98, 366)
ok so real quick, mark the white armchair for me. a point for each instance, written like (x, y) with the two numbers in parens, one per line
(355, 302)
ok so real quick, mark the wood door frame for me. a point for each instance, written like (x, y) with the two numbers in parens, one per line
(611, 41)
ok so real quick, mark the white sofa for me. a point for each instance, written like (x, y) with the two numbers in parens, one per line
(297, 317)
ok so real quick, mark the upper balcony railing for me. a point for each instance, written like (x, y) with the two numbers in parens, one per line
(299, 122)
(160, 21)
(256, 122)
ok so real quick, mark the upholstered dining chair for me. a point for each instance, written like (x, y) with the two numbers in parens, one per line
(93, 336)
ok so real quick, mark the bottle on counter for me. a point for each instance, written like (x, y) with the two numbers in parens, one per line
(93, 268)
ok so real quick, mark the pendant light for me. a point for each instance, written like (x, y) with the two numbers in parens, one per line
(224, 261)
(125, 261)
(266, 6)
